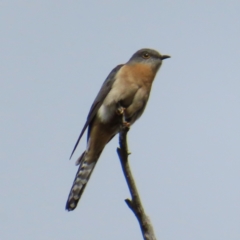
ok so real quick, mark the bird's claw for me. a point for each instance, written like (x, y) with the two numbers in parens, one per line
(126, 124)
(120, 111)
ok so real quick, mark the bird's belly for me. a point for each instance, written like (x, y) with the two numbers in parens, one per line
(120, 95)
(106, 112)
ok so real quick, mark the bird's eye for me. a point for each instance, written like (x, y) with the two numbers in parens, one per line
(146, 55)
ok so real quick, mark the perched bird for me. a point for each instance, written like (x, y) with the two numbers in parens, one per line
(125, 92)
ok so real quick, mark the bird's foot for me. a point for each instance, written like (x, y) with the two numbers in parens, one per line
(126, 124)
(120, 111)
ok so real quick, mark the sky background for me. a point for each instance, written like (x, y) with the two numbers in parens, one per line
(55, 55)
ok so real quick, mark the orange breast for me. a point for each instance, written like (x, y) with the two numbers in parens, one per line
(140, 74)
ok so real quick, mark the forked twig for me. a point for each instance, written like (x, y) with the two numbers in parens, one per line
(135, 203)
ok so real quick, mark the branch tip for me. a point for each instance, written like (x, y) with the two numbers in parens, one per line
(134, 204)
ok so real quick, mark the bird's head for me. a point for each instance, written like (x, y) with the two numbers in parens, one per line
(148, 56)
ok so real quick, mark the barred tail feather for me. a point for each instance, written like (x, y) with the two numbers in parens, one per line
(83, 174)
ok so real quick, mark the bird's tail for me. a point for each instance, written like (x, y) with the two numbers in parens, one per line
(83, 174)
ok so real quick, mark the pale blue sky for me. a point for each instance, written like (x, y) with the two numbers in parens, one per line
(54, 56)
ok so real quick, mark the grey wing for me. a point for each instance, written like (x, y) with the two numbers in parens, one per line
(106, 87)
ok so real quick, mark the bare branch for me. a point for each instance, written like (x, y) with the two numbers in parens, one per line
(135, 203)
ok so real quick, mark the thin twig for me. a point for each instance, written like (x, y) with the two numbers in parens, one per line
(135, 203)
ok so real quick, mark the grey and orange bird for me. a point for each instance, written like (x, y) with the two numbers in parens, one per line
(125, 91)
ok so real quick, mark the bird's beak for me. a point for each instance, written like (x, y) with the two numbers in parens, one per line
(164, 57)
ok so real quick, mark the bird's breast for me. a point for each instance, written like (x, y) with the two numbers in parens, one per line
(129, 80)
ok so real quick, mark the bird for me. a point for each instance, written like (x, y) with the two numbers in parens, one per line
(121, 100)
